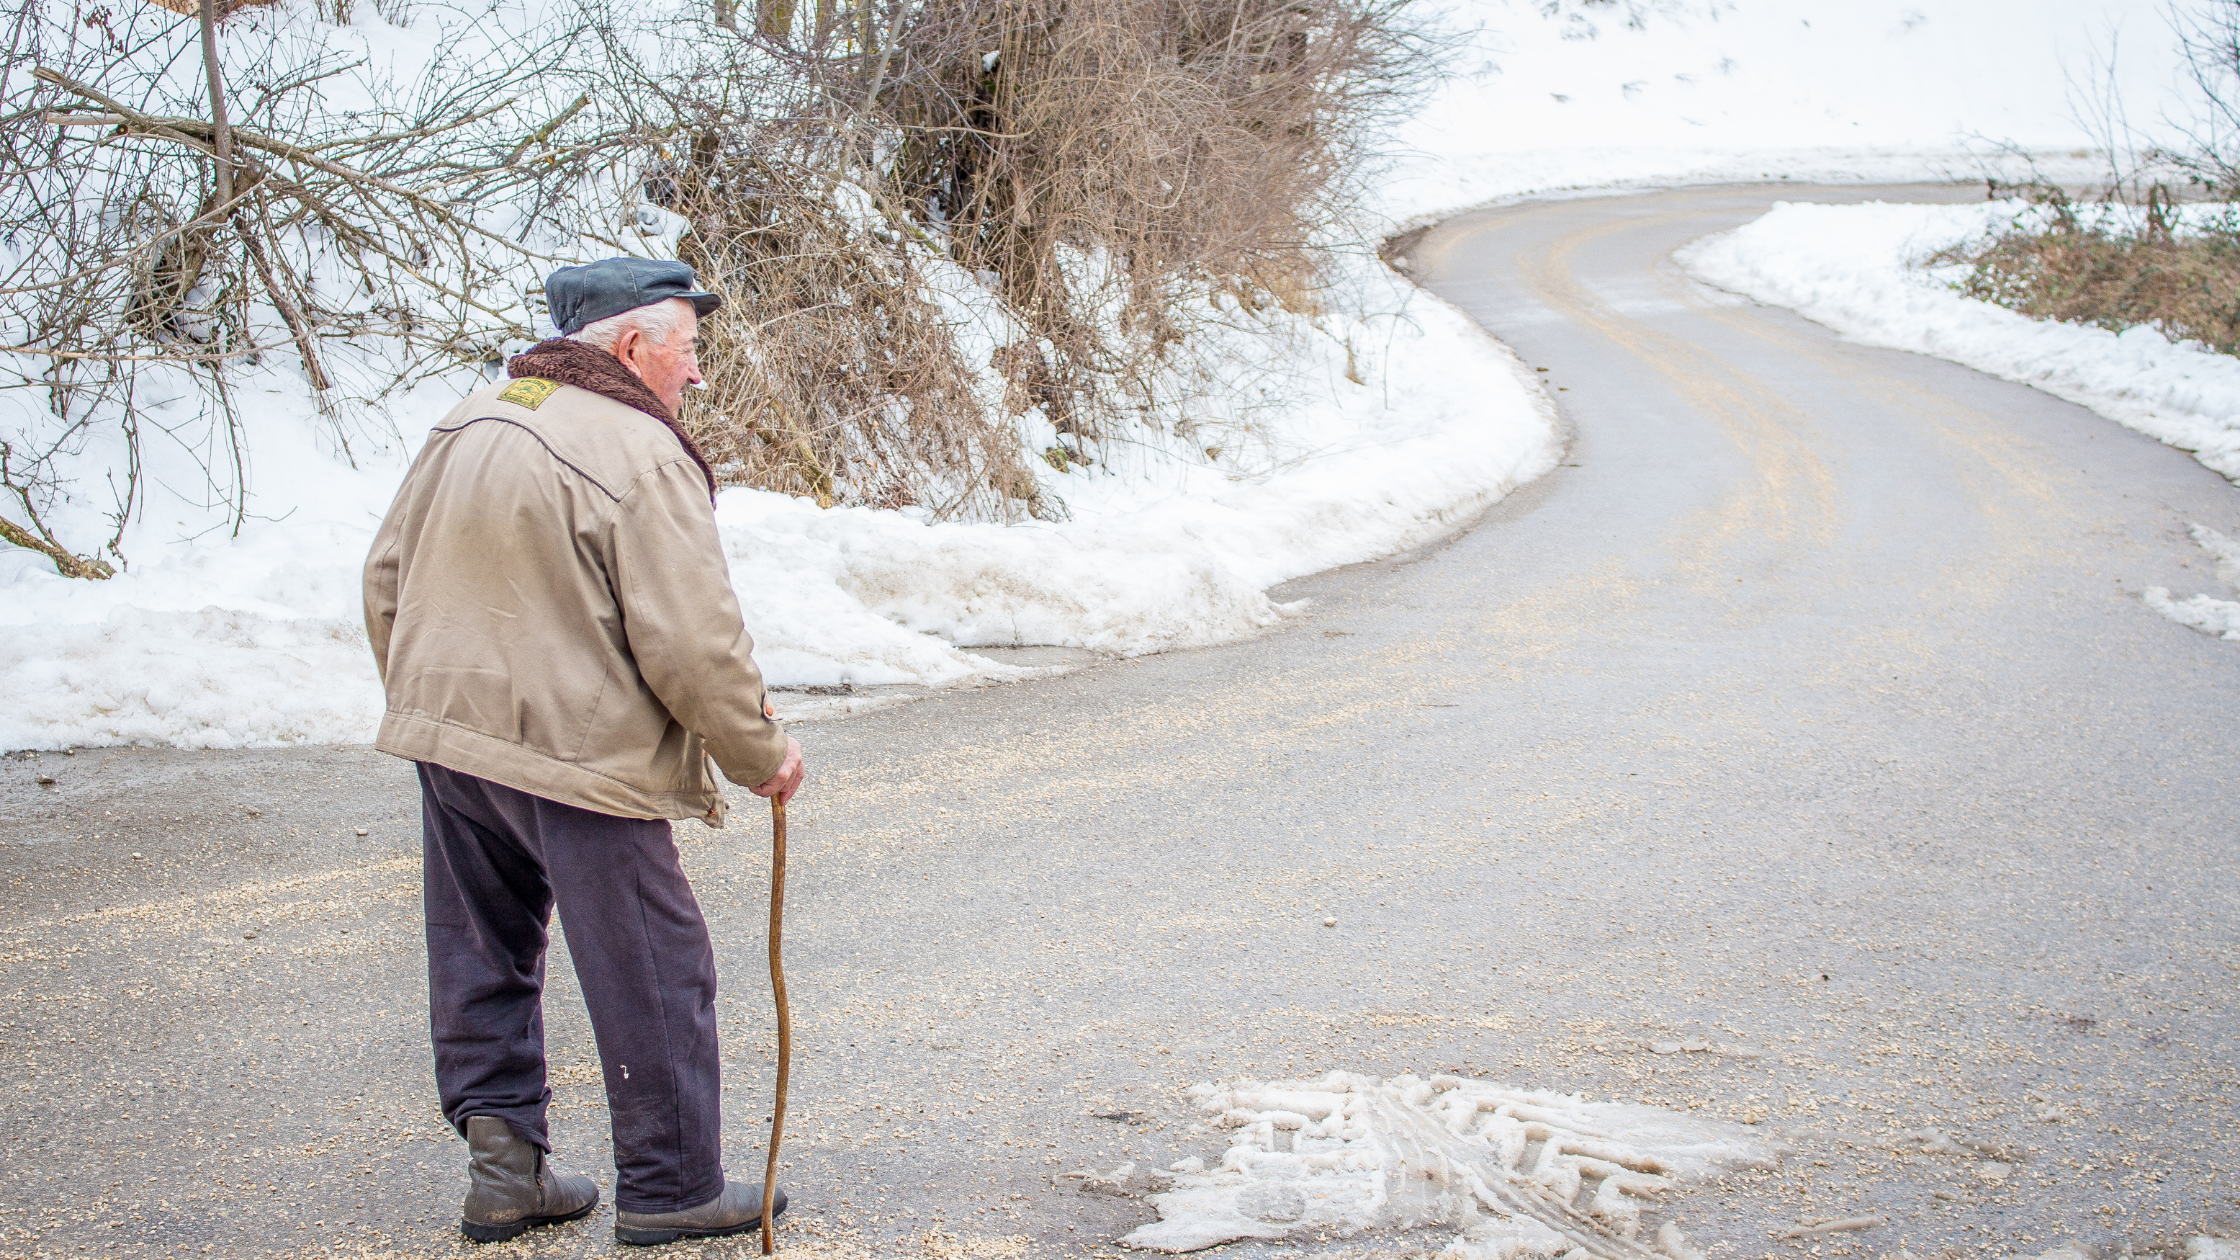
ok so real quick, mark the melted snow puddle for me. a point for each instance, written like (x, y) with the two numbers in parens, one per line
(2205, 613)
(1516, 1172)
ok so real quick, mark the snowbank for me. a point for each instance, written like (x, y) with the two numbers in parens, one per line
(1854, 269)
(217, 642)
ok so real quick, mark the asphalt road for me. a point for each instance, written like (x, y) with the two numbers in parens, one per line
(1810, 705)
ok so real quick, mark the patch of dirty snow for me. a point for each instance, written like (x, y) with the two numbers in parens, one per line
(2206, 613)
(1516, 1172)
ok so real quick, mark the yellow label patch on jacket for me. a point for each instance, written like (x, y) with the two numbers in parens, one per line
(529, 391)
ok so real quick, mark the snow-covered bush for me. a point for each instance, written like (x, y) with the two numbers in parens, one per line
(374, 212)
(958, 235)
(939, 218)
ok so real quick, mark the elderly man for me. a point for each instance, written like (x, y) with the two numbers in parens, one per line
(554, 622)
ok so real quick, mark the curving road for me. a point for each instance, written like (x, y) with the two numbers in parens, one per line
(1810, 706)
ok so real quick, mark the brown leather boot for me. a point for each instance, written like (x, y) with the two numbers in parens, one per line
(511, 1188)
(735, 1211)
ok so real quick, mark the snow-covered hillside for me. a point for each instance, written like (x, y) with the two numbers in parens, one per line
(1558, 94)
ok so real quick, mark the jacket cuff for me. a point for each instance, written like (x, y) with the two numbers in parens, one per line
(755, 760)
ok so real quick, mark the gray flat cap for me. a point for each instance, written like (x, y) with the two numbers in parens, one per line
(585, 295)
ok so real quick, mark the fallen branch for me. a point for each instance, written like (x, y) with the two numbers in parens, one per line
(544, 133)
(64, 563)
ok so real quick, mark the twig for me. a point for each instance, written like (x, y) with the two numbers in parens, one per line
(174, 128)
(417, 133)
(544, 133)
(103, 356)
(298, 327)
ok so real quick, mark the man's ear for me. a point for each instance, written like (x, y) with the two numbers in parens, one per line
(626, 350)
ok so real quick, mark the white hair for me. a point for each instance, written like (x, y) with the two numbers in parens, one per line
(658, 323)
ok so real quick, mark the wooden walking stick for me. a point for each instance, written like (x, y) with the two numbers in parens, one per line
(785, 1018)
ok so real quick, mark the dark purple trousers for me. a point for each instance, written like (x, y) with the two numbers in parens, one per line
(497, 861)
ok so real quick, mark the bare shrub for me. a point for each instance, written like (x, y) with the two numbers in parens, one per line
(2209, 35)
(1100, 167)
(142, 229)
(1108, 160)
(833, 373)
(2125, 253)
(835, 370)
(2113, 272)
(930, 217)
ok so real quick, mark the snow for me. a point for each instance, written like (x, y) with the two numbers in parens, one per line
(2198, 1247)
(1514, 1172)
(221, 642)
(1447, 422)
(2206, 613)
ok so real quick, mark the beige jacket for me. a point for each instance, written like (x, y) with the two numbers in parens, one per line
(549, 607)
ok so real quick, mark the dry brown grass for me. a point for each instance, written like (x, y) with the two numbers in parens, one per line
(831, 372)
(2077, 268)
(1100, 165)
(2131, 257)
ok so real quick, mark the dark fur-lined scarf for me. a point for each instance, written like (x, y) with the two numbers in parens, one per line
(586, 366)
